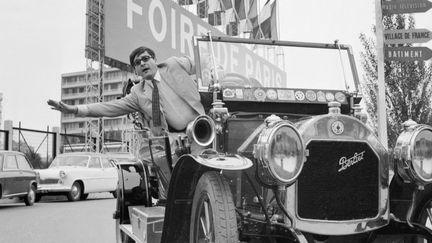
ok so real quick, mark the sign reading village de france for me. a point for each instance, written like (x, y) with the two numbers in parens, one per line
(407, 36)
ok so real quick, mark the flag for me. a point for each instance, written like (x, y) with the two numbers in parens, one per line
(232, 28)
(185, 2)
(214, 6)
(215, 18)
(253, 9)
(229, 16)
(239, 6)
(252, 17)
(266, 26)
(202, 9)
(245, 26)
(226, 4)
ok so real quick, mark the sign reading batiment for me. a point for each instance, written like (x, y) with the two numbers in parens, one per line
(407, 53)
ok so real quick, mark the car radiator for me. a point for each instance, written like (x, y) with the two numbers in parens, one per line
(339, 181)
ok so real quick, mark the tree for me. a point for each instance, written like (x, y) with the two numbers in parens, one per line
(34, 158)
(407, 84)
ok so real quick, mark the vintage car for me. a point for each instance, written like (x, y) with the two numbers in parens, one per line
(77, 174)
(17, 177)
(285, 154)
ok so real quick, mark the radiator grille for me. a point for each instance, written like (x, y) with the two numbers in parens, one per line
(326, 193)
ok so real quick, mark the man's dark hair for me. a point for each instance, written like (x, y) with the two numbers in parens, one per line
(139, 51)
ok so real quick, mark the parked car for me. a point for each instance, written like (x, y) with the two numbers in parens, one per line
(17, 177)
(78, 174)
(288, 159)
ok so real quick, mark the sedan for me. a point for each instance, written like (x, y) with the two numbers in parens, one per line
(78, 174)
(17, 177)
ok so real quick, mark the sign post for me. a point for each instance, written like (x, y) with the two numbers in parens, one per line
(381, 106)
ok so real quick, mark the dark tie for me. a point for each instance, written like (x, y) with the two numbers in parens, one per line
(156, 105)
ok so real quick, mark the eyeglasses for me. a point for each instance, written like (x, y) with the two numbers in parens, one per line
(142, 59)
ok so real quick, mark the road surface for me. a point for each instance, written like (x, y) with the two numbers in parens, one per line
(54, 220)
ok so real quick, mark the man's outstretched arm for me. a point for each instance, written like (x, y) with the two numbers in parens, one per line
(112, 108)
(62, 107)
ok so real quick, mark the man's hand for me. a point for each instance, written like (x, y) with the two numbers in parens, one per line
(62, 107)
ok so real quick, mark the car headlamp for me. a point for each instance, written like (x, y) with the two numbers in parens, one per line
(281, 153)
(62, 174)
(413, 154)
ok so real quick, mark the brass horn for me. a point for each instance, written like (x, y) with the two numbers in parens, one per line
(201, 130)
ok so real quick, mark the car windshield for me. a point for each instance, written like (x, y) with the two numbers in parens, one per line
(242, 62)
(80, 161)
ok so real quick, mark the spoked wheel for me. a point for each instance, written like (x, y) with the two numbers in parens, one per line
(213, 216)
(75, 193)
(425, 218)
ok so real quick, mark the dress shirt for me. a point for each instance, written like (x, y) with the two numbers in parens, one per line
(177, 112)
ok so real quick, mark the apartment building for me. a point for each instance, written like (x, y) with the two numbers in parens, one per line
(73, 92)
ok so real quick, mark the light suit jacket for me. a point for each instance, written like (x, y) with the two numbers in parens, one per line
(175, 71)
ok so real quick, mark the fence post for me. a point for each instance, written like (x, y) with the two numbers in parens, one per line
(8, 126)
(57, 141)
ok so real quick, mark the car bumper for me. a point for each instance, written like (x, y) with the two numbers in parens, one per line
(52, 188)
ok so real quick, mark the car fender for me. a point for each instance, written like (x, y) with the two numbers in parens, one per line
(184, 179)
(224, 161)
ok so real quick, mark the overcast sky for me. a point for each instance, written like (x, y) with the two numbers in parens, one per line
(42, 39)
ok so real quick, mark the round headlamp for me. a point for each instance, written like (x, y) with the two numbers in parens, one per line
(413, 154)
(280, 152)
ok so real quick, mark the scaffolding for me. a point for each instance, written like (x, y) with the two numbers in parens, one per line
(94, 53)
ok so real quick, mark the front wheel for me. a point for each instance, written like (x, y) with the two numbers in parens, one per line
(30, 198)
(425, 218)
(213, 216)
(75, 193)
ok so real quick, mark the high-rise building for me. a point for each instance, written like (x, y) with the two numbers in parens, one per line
(73, 92)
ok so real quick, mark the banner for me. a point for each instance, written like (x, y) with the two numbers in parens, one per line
(163, 26)
(168, 29)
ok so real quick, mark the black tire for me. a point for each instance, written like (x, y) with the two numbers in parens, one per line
(30, 198)
(213, 209)
(114, 193)
(75, 193)
(84, 196)
(38, 197)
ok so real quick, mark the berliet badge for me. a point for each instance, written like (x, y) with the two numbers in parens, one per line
(337, 127)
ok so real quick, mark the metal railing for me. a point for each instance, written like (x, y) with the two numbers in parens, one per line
(38, 146)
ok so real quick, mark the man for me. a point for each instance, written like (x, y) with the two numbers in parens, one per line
(168, 99)
(170, 80)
